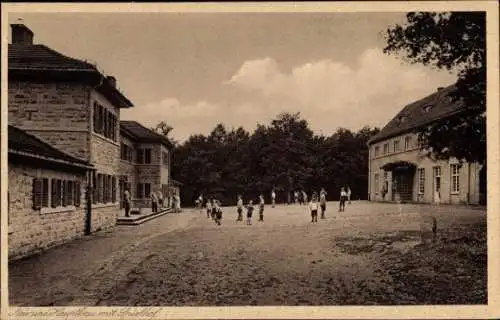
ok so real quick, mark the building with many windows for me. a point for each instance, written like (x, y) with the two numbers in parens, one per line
(144, 164)
(70, 105)
(400, 170)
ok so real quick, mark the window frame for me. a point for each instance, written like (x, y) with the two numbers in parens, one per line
(421, 181)
(455, 178)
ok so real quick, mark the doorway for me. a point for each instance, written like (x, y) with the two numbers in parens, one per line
(402, 186)
(436, 173)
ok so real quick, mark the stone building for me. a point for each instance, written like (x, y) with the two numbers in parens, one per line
(71, 105)
(144, 163)
(46, 195)
(399, 170)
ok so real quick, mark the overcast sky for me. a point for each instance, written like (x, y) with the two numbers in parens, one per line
(194, 70)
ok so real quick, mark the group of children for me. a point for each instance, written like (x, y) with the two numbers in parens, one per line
(317, 203)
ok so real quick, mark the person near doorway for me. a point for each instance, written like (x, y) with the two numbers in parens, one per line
(154, 202)
(177, 202)
(126, 199)
(160, 199)
(349, 194)
(343, 198)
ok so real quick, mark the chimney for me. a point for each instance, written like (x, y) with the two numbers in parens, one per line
(440, 88)
(21, 34)
(111, 81)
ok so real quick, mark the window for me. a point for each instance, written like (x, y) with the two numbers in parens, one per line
(139, 191)
(56, 194)
(143, 190)
(77, 195)
(455, 178)
(377, 151)
(376, 183)
(140, 156)
(396, 145)
(147, 190)
(147, 156)
(437, 178)
(40, 193)
(386, 149)
(407, 143)
(427, 108)
(165, 159)
(421, 181)
(104, 122)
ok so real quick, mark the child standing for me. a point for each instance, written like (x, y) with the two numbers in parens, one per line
(261, 208)
(218, 212)
(313, 207)
(322, 202)
(240, 209)
(209, 208)
(249, 212)
(343, 197)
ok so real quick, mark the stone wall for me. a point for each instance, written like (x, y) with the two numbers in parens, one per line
(55, 112)
(30, 230)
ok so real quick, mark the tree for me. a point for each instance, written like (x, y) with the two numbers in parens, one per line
(164, 129)
(452, 41)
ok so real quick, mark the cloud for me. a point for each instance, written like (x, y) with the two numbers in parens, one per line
(328, 93)
(331, 93)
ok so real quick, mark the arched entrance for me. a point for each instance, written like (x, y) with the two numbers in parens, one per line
(403, 173)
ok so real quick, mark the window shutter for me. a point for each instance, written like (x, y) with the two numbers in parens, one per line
(37, 194)
(140, 156)
(94, 190)
(53, 189)
(45, 193)
(113, 189)
(77, 193)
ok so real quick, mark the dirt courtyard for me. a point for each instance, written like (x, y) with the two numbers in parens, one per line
(371, 254)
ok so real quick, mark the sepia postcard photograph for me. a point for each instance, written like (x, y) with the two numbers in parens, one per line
(245, 160)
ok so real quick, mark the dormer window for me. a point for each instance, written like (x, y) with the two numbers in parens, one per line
(402, 119)
(427, 108)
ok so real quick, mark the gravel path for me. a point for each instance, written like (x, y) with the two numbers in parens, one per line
(371, 254)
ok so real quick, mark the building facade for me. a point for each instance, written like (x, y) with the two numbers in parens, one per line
(144, 164)
(401, 171)
(70, 105)
(46, 195)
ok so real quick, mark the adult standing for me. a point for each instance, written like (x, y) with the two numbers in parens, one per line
(177, 202)
(349, 194)
(154, 202)
(322, 202)
(273, 197)
(126, 199)
(160, 199)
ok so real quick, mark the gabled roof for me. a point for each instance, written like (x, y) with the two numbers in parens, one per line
(39, 62)
(24, 144)
(39, 56)
(139, 133)
(435, 106)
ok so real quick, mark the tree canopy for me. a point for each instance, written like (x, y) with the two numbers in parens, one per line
(284, 155)
(452, 41)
